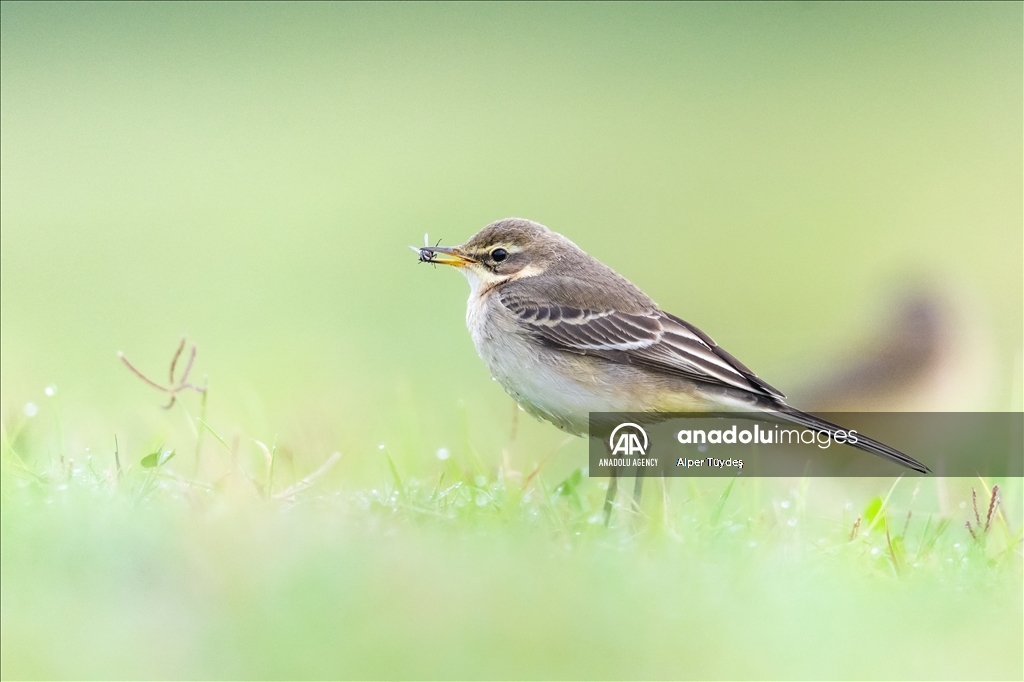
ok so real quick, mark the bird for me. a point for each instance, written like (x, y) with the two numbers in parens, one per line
(565, 335)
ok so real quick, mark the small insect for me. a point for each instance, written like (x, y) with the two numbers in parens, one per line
(426, 252)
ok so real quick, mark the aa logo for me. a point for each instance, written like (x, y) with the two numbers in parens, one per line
(628, 439)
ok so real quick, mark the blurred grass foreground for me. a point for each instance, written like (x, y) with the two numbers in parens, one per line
(337, 490)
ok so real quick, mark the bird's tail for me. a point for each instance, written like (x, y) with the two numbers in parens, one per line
(791, 414)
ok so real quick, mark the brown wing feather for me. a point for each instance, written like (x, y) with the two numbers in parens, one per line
(649, 338)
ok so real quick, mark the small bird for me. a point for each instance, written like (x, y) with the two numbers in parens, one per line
(566, 335)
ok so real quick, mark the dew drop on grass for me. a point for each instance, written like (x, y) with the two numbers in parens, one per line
(481, 499)
(50, 391)
(791, 523)
(31, 410)
(443, 454)
(784, 504)
(381, 446)
(480, 481)
(875, 551)
(963, 505)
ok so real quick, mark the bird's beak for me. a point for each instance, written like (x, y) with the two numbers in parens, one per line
(443, 255)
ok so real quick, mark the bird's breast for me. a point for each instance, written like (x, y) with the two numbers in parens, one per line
(564, 387)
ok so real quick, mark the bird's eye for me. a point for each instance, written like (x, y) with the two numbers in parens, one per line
(499, 255)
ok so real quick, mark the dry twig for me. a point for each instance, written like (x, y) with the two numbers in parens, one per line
(172, 388)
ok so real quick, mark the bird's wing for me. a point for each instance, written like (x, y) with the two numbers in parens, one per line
(649, 338)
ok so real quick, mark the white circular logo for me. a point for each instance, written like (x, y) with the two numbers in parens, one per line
(629, 441)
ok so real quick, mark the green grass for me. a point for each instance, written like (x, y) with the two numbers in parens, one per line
(474, 567)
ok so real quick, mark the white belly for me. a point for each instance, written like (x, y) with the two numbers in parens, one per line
(556, 386)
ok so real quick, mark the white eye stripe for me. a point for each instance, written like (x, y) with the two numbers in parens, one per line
(528, 271)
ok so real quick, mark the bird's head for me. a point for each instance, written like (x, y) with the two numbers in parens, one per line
(503, 251)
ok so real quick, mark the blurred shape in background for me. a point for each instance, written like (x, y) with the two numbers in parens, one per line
(931, 352)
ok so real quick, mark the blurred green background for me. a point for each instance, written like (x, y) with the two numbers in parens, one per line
(251, 175)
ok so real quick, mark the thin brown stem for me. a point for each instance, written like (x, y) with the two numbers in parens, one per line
(173, 390)
(141, 375)
(188, 369)
(993, 503)
(174, 360)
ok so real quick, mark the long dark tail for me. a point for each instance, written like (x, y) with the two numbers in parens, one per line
(787, 413)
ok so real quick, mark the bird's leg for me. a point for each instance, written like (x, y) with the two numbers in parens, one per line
(638, 489)
(609, 498)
